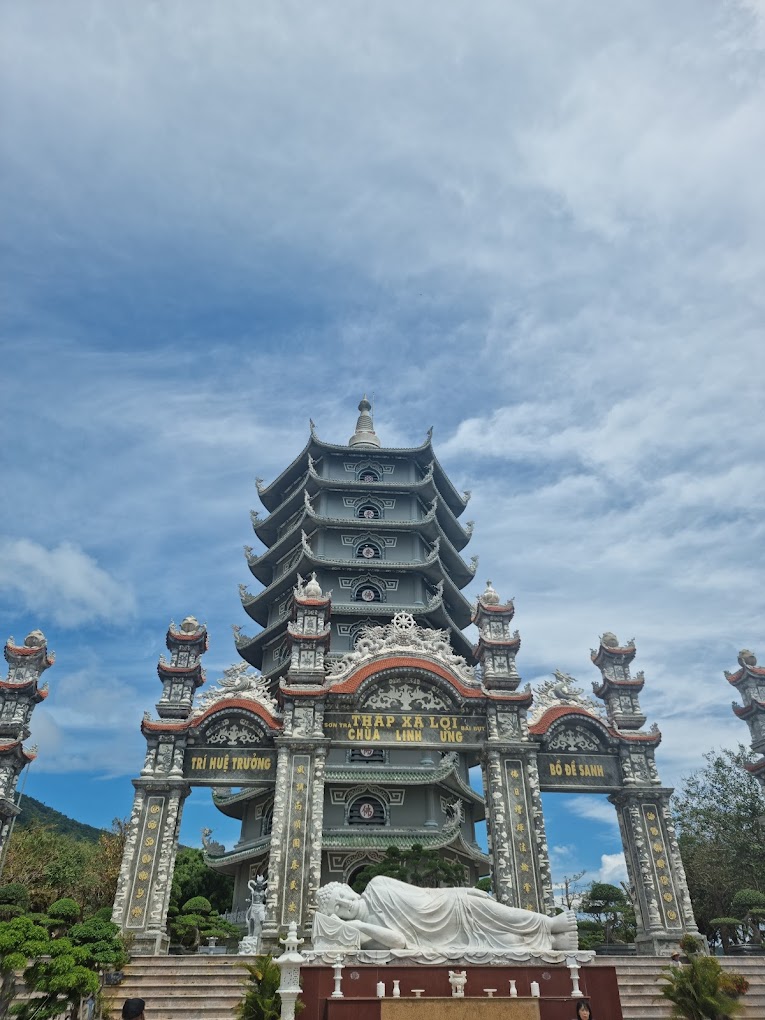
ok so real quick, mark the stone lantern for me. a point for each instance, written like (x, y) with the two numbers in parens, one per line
(289, 963)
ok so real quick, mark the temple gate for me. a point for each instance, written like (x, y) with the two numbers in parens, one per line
(371, 708)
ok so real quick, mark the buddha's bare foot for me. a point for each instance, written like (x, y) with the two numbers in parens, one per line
(564, 922)
(566, 942)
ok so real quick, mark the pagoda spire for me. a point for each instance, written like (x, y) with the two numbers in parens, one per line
(365, 429)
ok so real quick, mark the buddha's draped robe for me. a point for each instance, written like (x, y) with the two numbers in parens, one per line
(453, 918)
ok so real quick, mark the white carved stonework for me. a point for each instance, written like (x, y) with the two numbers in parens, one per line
(238, 683)
(402, 635)
(231, 732)
(407, 697)
(562, 690)
(573, 738)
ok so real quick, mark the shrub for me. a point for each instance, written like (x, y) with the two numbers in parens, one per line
(197, 905)
(66, 910)
(9, 911)
(733, 984)
(15, 894)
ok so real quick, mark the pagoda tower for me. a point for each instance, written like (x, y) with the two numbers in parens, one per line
(19, 693)
(378, 531)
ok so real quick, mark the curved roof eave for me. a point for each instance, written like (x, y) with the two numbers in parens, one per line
(454, 499)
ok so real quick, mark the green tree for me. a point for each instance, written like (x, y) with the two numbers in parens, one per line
(197, 921)
(749, 904)
(415, 866)
(611, 909)
(60, 959)
(20, 940)
(50, 865)
(192, 877)
(722, 840)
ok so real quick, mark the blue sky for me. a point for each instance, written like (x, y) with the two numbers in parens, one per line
(537, 227)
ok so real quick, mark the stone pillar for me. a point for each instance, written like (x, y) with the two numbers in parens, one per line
(656, 874)
(19, 693)
(294, 864)
(146, 875)
(517, 840)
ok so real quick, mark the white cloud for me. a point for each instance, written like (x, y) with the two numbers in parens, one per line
(537, 229)
(613, 869)
(61, 583)
(594, 809)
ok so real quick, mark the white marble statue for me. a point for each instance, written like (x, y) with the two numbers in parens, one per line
(393, 915)
(256, 910)
(255, 916)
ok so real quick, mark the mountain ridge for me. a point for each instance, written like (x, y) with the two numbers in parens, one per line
(35, 812)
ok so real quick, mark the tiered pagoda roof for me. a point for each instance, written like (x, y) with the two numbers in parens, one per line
(304, 503)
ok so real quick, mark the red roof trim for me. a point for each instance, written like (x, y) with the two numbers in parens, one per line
(192, 724)
(179, 635)
(542, 725)
(738, 676)
(743, 711)
(352, 684)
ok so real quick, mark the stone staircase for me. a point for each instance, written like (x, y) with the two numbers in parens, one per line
(209, 987)
(182, 987)
(639, 985)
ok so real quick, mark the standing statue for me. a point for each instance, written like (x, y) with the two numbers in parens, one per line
(256, 914)
(256, 911)
(393, 915)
